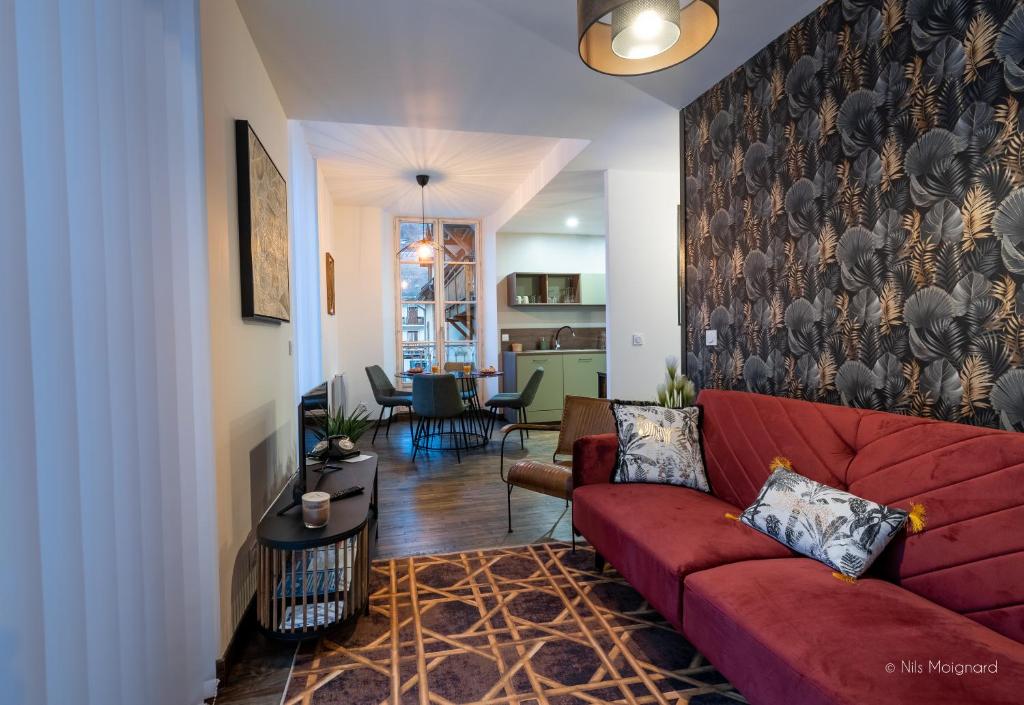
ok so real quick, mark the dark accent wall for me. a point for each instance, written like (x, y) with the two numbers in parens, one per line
(855, 212)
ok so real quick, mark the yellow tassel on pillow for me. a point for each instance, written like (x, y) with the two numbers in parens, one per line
(780, 462)
(917, 519)
(844, 578)
(732, 516)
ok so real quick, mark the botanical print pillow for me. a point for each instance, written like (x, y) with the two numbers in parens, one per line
(659, 445)
(837, 528)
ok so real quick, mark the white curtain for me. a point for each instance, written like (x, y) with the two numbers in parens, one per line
(306, 295)
(107, 582)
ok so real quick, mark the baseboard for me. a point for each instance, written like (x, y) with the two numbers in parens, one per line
(246, 625)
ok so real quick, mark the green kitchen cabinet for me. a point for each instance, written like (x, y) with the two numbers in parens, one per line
(547, 405)
(572, 372)
(579, 373)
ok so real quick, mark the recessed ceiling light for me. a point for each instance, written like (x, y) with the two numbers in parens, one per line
(572, 222)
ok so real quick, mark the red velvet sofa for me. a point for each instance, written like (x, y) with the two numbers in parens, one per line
(780, 627)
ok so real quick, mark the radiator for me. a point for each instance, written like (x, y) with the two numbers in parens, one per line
(337, 393)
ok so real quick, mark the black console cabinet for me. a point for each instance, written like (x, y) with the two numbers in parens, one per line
(312, 580)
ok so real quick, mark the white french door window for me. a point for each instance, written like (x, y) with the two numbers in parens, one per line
(438, 303)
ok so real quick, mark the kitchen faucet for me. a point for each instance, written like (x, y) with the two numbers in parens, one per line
(558, 345)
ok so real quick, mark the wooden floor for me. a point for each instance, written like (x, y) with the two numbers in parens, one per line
(434, 505)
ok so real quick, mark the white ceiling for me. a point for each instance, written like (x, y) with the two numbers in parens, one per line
(490, 66)
(471, 173)
(745, 27)
(571, 193)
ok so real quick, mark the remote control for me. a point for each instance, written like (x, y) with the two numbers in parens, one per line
(345, 494)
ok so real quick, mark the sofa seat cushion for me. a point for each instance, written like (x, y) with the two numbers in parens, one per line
(657, 534)
(786, 631)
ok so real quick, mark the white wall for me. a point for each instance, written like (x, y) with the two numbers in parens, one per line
(307, 294)
(362, 331)
(642, 280)
(330, 334)
(252, 372)
(534, 252)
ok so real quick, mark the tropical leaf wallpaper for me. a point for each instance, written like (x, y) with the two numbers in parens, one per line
(855, 213)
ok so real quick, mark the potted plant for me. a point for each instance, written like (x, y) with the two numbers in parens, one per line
(677, 391)
(342, 430)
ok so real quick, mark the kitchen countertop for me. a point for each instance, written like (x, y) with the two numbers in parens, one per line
(563, 351)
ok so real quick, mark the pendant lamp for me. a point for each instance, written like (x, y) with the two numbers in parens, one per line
(635, 37)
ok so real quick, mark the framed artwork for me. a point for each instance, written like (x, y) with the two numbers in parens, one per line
(330, 284)
(262, 230)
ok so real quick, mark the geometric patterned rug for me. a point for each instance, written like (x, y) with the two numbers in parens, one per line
(530, 625)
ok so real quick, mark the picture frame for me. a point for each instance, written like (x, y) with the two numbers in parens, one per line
(263, 240)
(329, 269)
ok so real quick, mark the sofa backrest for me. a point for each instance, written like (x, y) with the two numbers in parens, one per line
(970, 480)
(969, 558)
(743, 432)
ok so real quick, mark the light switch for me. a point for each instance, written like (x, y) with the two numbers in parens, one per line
(711, 338)
(504, 337)
(638, 339)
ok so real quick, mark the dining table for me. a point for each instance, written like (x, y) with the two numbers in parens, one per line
(467, 383)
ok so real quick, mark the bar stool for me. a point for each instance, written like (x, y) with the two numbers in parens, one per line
(436, 399)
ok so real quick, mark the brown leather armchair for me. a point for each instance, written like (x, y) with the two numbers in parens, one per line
(581, 416)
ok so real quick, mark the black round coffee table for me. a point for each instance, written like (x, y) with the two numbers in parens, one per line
(312, 580)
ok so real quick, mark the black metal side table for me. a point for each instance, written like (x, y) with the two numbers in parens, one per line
(312, 580)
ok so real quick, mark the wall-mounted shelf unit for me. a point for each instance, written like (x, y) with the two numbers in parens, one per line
(528, 289)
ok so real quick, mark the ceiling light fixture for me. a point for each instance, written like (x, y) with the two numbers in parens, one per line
(634, 37)
(426, 246)
(572, 222)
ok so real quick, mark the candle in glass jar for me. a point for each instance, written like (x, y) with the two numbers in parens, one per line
(316, 509)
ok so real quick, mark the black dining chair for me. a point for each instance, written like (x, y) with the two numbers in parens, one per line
(517, 401)
(470, 395)
(436, 399)
(388, 397)
(468, 390)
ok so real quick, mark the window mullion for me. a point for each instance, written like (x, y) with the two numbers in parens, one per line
(439, 340)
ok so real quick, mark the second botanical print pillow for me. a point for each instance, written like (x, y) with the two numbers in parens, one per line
(837, 528)
(659, 445)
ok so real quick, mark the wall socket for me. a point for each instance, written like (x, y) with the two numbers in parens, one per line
(638, 339)
(504, 337)
(711, 338)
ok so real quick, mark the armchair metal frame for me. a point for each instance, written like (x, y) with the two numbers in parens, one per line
(512, 428)
(581, 416)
